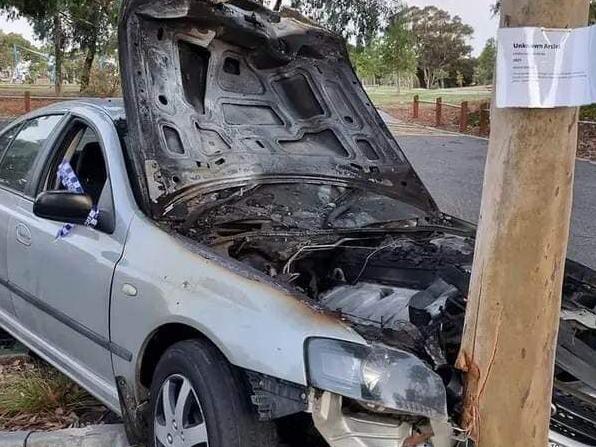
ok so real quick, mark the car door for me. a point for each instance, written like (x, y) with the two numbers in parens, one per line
(62, 283)
(7, 203)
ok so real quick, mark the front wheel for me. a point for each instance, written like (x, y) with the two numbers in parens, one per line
(199, 400)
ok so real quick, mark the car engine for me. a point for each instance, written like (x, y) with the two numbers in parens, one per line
(397, 278)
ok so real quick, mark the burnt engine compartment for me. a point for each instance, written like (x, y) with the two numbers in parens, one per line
(404, 290)
(409, 291)
(397, 278)
(371, 260)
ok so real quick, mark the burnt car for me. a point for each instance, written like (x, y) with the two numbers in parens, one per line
(244, 256)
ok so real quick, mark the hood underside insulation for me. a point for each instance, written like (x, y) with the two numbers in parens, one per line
(221, 94)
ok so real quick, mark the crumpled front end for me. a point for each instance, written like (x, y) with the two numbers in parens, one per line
(344, 429)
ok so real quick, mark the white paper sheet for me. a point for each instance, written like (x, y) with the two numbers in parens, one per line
(544, 68)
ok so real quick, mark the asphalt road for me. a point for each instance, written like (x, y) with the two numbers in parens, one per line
(452, 167)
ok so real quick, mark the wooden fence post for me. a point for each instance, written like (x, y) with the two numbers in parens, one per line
(439, 112)
(463, 117)
(27, 101)
(416, 109)
(484, 118)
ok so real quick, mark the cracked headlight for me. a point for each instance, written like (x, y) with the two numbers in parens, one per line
(376, 375)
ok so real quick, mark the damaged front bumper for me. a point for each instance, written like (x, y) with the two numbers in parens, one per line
(344, 429)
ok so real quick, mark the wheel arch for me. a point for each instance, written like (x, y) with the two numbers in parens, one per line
(159, 341)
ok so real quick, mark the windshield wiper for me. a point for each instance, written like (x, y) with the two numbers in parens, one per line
(412, 222)
(343, 204)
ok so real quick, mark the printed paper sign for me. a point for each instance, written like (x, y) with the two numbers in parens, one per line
(544, 68)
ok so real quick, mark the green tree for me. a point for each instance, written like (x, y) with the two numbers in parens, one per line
(398, 46)
(360, 20)
(459, 78)
(94, 27)
(38, 68)
(465, 67)
(485, 69)
(440, 41)
(391, 53)
(87, 25)
(369, 61)
(7, 45)
(47, 19)
(441, 75)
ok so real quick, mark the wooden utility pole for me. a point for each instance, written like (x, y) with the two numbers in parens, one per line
(515, 297)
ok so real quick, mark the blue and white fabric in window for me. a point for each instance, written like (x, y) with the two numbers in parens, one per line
(70, 181)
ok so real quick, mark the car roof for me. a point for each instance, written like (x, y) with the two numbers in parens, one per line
(113, 107)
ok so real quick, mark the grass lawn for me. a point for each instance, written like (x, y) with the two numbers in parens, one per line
(36, 90)
(386, 95)
(381, 96)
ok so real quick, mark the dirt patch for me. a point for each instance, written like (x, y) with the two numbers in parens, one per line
(451, 117)
(36, 397)
(13, 107)
(587, 141)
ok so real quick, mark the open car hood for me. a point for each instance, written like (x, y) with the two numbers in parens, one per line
(228, 92)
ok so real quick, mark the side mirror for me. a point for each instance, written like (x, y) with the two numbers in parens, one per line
(63, 206)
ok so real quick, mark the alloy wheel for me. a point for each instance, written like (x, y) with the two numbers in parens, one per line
(179, 419)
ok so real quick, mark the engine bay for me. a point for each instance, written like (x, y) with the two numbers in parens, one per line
(397, 277)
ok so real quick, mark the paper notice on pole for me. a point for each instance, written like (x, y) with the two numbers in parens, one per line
(543, 68)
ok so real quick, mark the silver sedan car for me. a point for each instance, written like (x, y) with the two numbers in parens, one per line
(240, 255)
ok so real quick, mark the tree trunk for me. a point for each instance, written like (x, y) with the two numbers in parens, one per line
(514, 302)
(427, 77)
(58, 37)
(90, 49)
(88, 64)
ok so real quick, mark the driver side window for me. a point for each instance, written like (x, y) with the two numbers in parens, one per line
(81, 149)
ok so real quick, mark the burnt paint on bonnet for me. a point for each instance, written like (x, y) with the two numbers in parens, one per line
(224, 93)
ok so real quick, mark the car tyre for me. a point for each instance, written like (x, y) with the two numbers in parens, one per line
(199, 400)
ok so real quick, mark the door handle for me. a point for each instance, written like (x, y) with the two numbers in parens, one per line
(23, 234)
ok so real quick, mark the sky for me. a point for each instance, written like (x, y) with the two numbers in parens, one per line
(18, 26)
(473, 12)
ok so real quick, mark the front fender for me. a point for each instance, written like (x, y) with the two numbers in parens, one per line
(256, 324)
